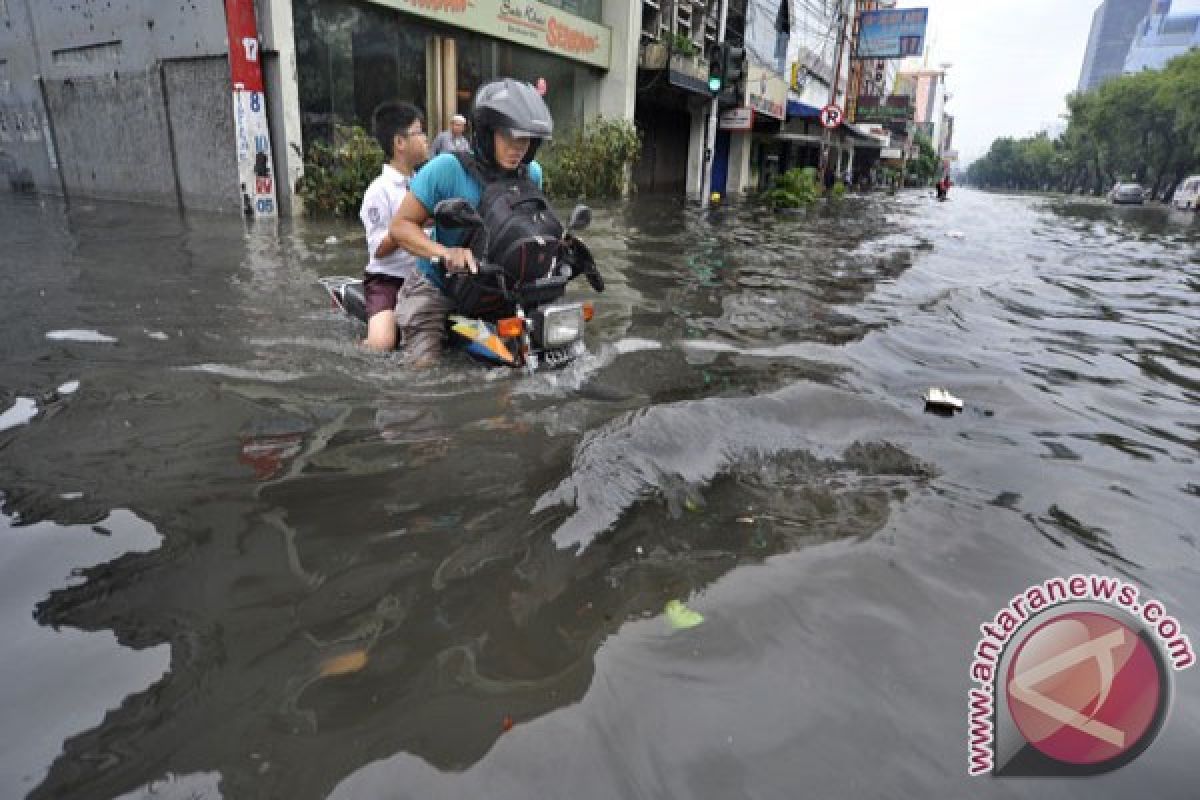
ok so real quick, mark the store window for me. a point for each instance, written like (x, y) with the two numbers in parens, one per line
(352, 56)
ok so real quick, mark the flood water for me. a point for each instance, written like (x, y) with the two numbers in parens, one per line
(240, 558)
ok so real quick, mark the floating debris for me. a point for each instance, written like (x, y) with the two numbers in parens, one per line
(344, 664)
(22, 411)
(942, 400)
(681, 617)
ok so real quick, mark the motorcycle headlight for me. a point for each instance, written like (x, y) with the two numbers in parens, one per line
(562, 325)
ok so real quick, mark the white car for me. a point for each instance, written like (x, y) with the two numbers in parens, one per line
(1187, 196)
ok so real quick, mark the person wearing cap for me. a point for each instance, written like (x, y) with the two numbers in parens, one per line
(509, 121)
(453, 140)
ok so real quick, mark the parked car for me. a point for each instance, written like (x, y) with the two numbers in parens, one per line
(1187, 196)
(1127, 193)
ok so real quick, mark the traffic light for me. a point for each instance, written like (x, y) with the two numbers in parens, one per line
(716, 70)
(733, 71)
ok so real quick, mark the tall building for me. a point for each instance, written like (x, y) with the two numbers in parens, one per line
(1161, 37)
(927, 88)
(1114, 25)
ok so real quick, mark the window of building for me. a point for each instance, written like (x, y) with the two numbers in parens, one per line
(352, 56)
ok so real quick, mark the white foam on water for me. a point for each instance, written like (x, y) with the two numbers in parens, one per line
(633, 345)
(79, 335)
(71, 495)
(159, 335)
(70, 387)
(267, 375)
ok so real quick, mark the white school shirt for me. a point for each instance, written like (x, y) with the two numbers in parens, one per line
(380, 204)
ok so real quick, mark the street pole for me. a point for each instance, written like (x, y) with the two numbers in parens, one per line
(710, 131)
(837, 74)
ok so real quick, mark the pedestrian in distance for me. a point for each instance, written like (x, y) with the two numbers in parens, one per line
(400, 130)
(509, 121)
(453, 140)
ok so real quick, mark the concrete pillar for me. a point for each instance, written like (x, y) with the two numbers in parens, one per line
(283, 98)
(614, 95)
(696, 142)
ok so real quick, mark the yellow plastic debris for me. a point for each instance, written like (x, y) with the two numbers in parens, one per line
(681, 617)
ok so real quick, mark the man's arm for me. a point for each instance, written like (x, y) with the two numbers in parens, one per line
(407, 230)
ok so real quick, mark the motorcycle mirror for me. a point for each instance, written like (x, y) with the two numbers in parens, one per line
(456, 213)
(581, 217)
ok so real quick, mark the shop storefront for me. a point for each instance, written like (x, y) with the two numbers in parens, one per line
(351, 56)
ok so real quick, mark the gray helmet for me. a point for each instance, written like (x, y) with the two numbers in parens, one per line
(511, 106)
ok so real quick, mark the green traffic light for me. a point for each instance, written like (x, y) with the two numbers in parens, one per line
(714, 84)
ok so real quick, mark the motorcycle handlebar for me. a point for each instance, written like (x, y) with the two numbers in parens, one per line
(481, 268)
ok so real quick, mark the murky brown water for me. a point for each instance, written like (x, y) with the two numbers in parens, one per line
(239, 558)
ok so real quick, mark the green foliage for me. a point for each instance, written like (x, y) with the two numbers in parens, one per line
(1143, 127)
(592, 161)
(337, 175)
(682, 44)
(925, 167)
(795, 188)
(838, 192)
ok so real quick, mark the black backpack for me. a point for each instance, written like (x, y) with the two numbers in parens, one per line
(524, 235)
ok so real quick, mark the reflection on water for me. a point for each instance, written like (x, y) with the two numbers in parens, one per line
(372, 578)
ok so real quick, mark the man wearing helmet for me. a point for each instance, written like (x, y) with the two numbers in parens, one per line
(509, 120)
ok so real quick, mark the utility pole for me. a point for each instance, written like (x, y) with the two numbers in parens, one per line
(837, 74)
(710, 134)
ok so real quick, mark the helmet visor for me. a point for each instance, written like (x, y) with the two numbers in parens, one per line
(523, 133)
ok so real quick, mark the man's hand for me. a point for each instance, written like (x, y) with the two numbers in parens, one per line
(459, 259)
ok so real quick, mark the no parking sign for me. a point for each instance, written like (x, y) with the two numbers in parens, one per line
(831, 115)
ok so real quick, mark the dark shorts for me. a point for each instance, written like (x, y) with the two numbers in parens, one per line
(379, 292)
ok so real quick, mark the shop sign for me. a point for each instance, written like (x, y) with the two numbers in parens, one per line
(891, 33)
(766, 92)
(891, 154)
(253, 137)
(736, 119)
(894, 108)
(526, 22)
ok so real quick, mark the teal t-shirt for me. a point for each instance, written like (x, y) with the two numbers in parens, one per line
(443, 178)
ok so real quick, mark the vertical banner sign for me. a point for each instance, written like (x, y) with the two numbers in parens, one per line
(249, 111)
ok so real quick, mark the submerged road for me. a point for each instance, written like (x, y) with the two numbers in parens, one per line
(240, 558)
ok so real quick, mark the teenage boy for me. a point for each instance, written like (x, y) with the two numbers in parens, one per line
(400, 129)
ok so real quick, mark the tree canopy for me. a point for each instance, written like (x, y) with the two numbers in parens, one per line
(1142, 127)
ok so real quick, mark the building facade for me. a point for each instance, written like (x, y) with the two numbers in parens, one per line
(1114, 25)
(1162, 36)
(102, 101)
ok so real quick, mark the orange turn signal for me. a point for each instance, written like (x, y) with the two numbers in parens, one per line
(588, 312)
(510, 327)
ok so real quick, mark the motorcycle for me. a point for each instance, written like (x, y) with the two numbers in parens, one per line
(530, 329)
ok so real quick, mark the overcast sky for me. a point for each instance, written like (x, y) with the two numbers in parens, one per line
(1014, 62)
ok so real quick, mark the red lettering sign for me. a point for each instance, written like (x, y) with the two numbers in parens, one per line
(563, 37)
(457, 6)
(244, 65)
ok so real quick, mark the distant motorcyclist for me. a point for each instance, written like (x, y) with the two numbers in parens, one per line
(509, 121)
